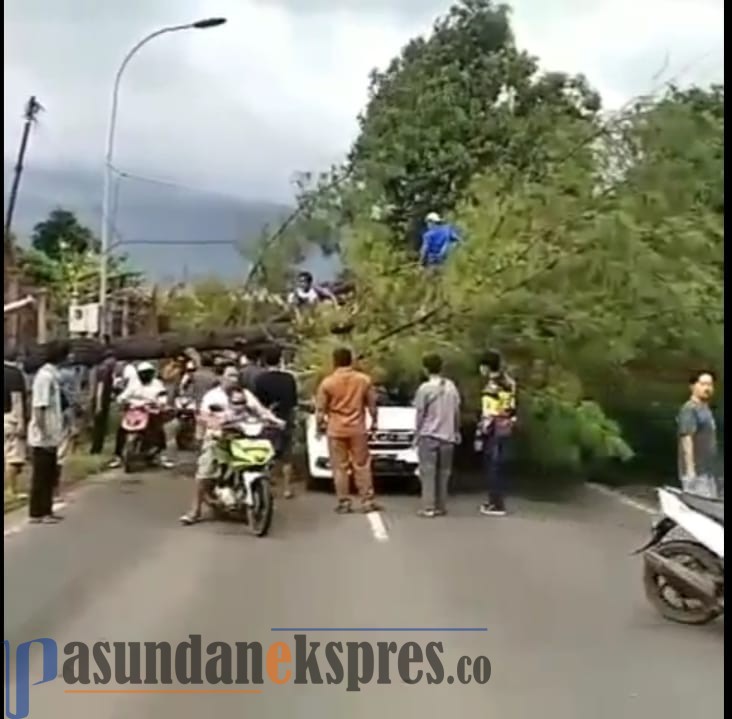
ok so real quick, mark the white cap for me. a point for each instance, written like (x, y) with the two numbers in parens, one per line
(145, 367)
(433, 217)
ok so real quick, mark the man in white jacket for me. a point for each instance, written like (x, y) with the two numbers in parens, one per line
(147, 390)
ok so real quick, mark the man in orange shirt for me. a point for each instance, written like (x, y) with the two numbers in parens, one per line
(343, 399)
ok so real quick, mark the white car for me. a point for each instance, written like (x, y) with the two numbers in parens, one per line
(393, 453)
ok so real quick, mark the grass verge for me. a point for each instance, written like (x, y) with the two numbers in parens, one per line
(77, 467)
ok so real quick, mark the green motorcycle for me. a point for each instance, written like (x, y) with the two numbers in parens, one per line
(243, 488)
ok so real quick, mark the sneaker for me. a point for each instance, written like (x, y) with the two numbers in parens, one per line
(165, 463)
(440, 512)
(427, 513)
(116, 463)
(343, 508)
(189, 519)
(491, 510)
(288, 494)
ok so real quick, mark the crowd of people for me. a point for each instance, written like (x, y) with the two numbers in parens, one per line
(256, 384)
(43, 424)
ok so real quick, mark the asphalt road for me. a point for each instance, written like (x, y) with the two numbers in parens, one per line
(569, 632)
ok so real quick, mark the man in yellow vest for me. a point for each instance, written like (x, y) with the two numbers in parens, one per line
(495, 429)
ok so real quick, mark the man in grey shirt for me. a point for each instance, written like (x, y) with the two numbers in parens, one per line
(437, 433)
(697, 430)
(45, 433)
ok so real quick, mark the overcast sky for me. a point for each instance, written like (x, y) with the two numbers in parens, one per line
(240, 108)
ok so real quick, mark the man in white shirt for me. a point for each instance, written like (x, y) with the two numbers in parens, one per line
(308, 294)
(221, 404)
(45, 432)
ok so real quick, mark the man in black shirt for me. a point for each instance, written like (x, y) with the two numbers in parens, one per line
(251, 368)
(103, 401)
(276, 389)
(15, 402)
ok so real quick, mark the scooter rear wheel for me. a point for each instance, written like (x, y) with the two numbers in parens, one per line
(669, 602)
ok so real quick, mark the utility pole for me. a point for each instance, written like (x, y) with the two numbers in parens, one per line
(31, 110)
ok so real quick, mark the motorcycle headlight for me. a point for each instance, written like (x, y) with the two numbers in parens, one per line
(252, 429)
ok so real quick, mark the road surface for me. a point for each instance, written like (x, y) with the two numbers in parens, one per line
(569, 633)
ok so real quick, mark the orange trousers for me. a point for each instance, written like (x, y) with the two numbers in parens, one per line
(351, 454)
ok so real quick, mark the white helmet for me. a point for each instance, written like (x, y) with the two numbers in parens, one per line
(145, 367)
(433, 218)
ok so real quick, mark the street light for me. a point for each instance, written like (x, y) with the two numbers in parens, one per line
(204, 24)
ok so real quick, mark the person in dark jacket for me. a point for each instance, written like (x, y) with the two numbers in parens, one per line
(276, 389)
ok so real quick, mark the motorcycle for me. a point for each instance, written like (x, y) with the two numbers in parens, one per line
(185, 412)
(141, 446)
(684, 578)
(243, 488)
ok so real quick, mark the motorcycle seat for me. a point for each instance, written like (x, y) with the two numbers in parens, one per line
(712, 508)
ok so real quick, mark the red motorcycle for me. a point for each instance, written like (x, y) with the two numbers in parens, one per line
(143, 425)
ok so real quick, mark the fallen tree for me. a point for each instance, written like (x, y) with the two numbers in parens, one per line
(279, 329)
(90, 352)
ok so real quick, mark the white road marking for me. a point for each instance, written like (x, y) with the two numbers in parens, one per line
(21, 524)
(378, 529)
(623, 498)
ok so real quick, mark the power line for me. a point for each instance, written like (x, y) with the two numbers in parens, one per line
(196, 243)
(125, 175)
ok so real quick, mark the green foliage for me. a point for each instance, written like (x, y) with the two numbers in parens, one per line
(64, 258)
(61, 231)
(211, 304)
(455, 103)
(592, 250)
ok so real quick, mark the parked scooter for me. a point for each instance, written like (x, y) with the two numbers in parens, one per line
(684, 578)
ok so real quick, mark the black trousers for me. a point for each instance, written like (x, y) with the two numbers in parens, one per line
(44, 478)
(99, 430)
(120, 440)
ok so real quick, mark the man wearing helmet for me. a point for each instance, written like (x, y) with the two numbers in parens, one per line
(149, 389)
(437, 241)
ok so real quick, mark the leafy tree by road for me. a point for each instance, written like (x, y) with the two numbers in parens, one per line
(593, 242)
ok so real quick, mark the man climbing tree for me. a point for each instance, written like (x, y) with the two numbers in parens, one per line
(437, 241)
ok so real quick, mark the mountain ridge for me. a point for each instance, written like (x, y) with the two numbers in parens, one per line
(205, 231)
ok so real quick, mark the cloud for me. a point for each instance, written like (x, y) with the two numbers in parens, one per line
(240, 108)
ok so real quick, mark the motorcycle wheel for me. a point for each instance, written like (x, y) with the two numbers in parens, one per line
(185, 439)
(667, 600)
(133, 448)
(260, 515)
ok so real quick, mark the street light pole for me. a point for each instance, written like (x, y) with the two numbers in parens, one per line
(108, 166)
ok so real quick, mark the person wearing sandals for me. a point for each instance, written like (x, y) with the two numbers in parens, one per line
(437, 433)
(45, 433)
(227, 402)
(343, 400)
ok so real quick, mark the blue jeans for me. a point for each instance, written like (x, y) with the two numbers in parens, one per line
(494, 454)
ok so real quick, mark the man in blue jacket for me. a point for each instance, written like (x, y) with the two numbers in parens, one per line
(437, 241)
